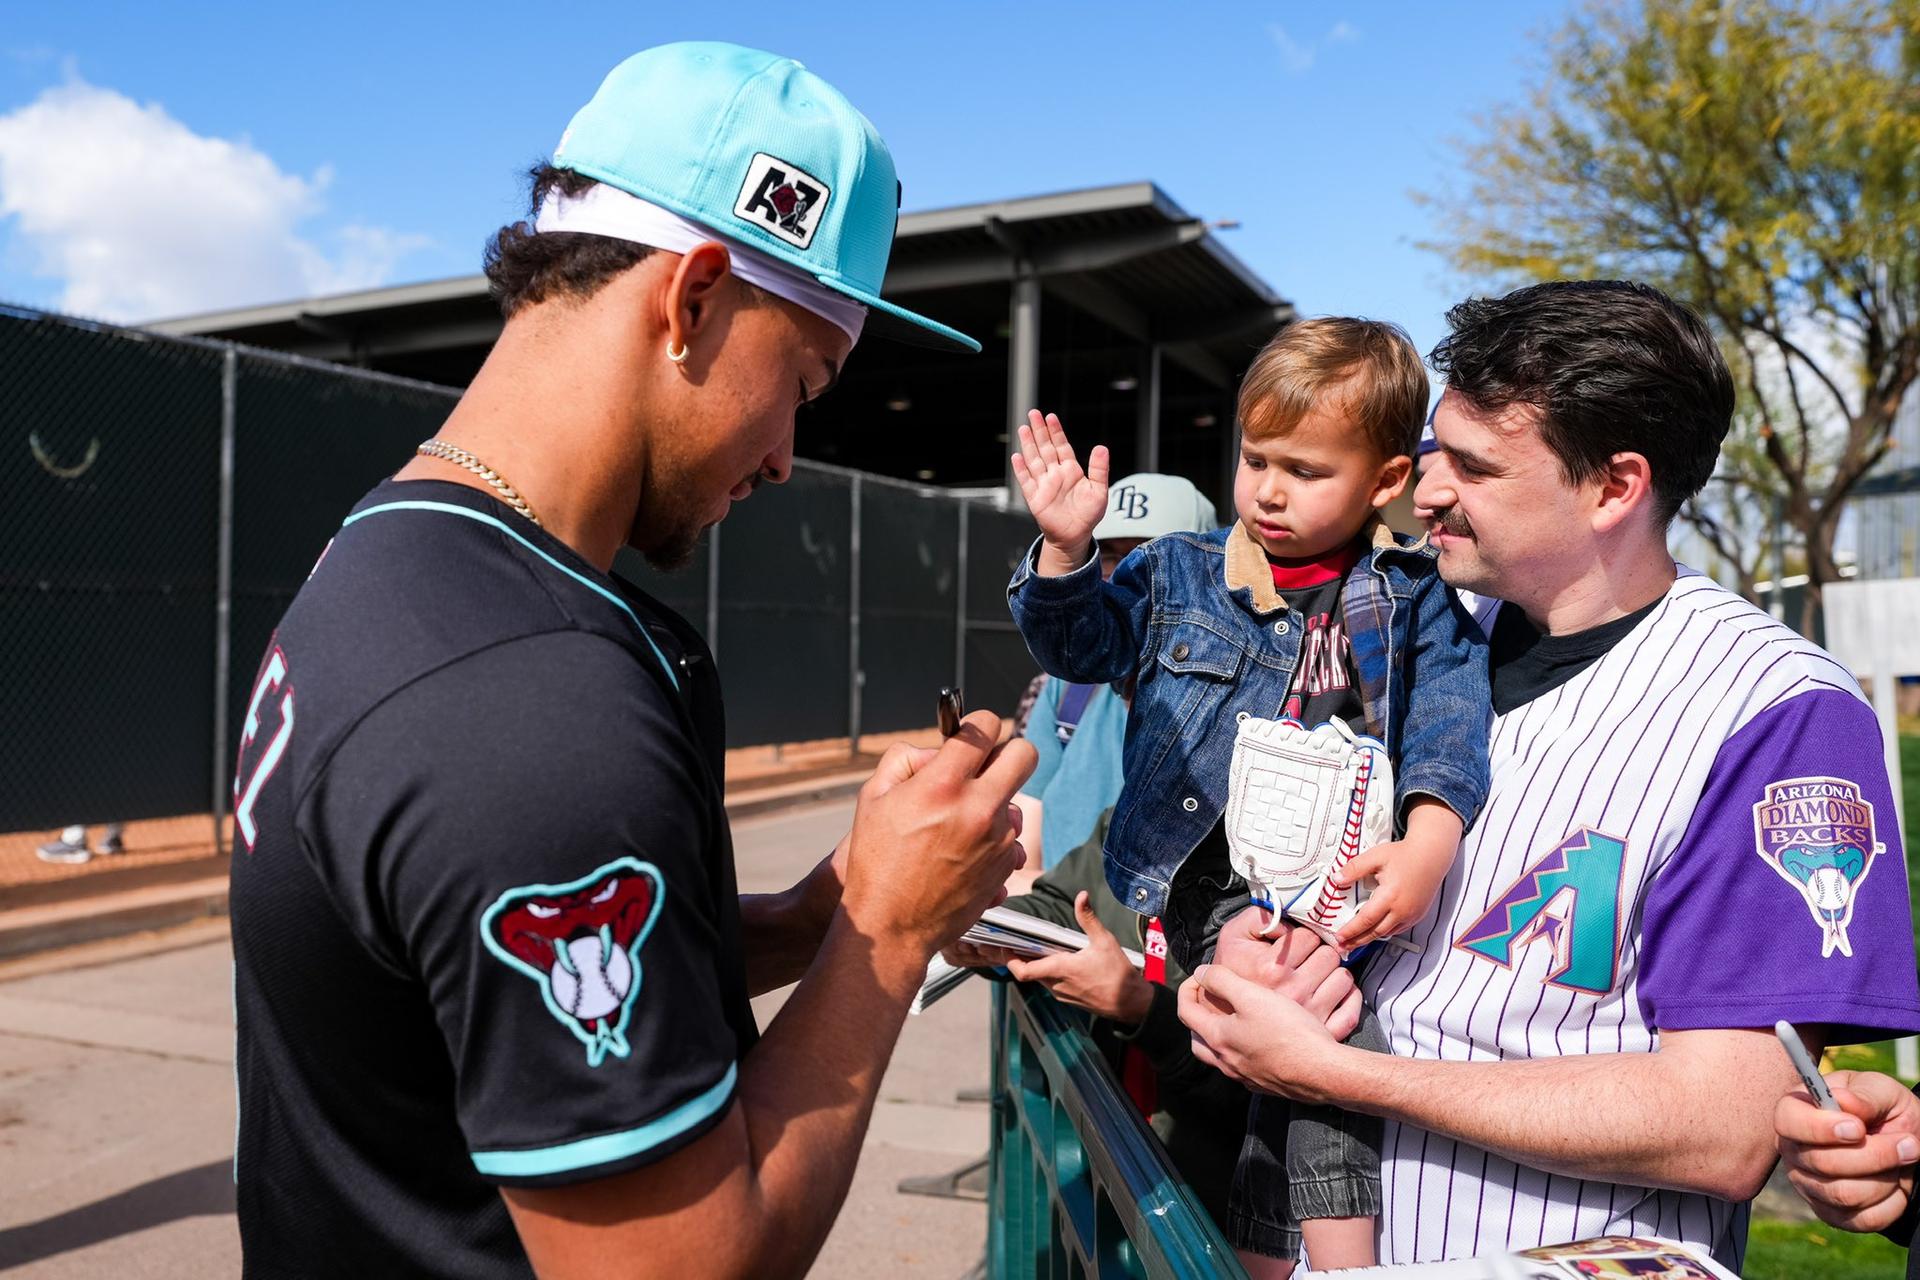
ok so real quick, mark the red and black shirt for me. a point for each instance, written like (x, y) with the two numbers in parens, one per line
(1324, 682)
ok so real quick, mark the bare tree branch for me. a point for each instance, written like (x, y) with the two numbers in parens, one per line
(1759, 159)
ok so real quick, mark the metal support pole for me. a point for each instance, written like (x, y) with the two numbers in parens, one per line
(1906, 1051)
(960, 608)
(713, 594)
(1886, 679)
(1146, 448)
(223, 597)
(854, 675)
(1023, 365)
(1229, 456)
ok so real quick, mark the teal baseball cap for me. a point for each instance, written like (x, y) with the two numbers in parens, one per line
(758, 149)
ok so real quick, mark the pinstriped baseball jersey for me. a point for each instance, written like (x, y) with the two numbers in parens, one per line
(1696, 831)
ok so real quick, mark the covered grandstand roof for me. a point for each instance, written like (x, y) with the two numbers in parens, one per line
(1112, 305)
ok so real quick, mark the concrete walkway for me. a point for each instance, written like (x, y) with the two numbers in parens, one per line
(116, 1104)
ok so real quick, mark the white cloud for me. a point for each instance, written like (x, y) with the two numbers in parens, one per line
(1294, 56)
(139, 217)
(1298, 56)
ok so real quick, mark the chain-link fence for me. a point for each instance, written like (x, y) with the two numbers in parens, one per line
(166, 498)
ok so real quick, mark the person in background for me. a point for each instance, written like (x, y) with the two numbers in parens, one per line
(71, 845)
(1078, 729)
(1023, 710)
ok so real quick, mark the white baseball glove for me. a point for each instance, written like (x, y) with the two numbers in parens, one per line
(1300, 803)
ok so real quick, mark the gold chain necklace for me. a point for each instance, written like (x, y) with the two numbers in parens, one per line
(461, 458)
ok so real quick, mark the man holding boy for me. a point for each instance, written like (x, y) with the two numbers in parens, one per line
(1689, 833)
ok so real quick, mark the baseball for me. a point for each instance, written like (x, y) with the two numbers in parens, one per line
(1828, 889)
(566, 988)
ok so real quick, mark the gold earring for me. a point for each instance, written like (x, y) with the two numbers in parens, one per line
(680, 356)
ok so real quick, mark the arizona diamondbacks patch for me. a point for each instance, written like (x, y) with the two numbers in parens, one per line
(1818, 834)
(581, 942)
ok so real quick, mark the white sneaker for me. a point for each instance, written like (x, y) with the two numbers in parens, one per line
(1300, 803)
(70, 847)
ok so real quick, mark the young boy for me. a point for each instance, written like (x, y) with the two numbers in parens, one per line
(1307, 607)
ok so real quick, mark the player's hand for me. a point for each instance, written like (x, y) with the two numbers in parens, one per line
(1066, 501)
(930, 850)
(1099, 979)
(900, 762)
(1854, 1166)
(1262, 1038)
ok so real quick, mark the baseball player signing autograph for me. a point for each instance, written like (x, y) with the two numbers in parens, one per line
(492, 966)
(1307, 689)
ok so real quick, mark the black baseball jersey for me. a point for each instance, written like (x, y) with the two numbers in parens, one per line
(485, 922)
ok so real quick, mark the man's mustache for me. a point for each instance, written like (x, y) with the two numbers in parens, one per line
(1452, 521)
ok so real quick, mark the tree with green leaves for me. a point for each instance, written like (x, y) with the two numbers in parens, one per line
(1760, 160)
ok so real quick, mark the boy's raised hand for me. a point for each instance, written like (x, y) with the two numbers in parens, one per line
(1066, 501)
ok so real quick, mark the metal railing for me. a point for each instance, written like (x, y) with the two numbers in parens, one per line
(1077, 1183)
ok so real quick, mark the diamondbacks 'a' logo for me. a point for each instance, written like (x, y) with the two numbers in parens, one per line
(1128, 501)
(782, 198)
(581, 942)
(1818, 834)
(1569, 899)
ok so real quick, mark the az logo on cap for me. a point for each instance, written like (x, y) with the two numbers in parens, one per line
(782, 198)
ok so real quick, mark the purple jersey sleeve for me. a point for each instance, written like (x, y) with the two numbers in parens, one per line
(1787, 896)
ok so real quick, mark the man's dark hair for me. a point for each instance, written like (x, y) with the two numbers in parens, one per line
(1611, 365)
(524, 268)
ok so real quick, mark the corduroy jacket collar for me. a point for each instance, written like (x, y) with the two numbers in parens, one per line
(1247, 566)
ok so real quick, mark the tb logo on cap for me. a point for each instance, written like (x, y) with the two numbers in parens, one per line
(1129, 503)
(782, 198)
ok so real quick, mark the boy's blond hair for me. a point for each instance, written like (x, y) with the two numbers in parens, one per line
(1383, 382)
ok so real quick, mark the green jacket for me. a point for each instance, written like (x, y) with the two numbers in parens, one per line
(1203, 1115)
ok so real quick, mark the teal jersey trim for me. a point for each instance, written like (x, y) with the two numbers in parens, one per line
(580, 578)
(608, 1147)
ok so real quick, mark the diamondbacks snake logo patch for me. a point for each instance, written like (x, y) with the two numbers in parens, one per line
(1818, 834)
(581, 942)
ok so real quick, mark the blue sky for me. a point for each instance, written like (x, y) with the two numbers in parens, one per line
(160, 159)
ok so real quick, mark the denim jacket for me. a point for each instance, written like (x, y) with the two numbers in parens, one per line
(1197, 619)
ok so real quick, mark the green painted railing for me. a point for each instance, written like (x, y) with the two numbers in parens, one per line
(1077, 1183)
